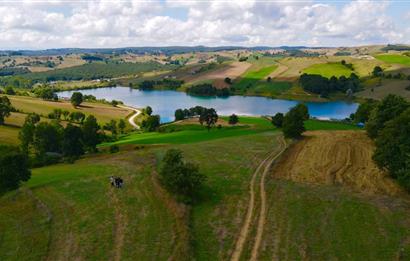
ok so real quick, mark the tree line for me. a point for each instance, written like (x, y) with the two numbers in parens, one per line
(321, 85)
(387, 123)
(207, 89)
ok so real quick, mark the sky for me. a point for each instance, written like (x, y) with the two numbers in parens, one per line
(43, 24)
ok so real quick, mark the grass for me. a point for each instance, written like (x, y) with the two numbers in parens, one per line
(272, 89)
(380, 88)
(252, 77)
(70, 211)
(193, 133)
(312, 125)
(394, 59)
(329, 223)
(9, 135)
(328, 70)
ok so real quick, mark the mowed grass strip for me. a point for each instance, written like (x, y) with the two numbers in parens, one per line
(328, 70)
(394, 59)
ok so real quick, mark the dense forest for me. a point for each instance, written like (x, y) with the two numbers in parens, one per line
(324, 86)
(207, 89)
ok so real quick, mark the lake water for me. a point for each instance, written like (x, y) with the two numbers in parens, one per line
(165, 103)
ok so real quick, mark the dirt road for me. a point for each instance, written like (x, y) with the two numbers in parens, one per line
(242, 237)
(131, 119)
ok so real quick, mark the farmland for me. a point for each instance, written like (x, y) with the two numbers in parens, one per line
(328, 70)
(394, 59)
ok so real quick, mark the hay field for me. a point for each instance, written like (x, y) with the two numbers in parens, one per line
(336, 158)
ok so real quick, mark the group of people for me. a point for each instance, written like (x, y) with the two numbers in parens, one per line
(116, 182)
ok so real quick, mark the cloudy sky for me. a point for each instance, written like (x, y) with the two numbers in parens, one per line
(34, 24)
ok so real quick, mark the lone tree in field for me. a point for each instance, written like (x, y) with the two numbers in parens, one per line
(76, 99)
(293, 122)
(277, 120)
(228, 80)
(180, 177)
(233, 119)
(151, 123)
(209, 116)
(14, 168)
(5, 108)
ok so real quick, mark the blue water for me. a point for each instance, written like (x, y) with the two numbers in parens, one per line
(165, 103)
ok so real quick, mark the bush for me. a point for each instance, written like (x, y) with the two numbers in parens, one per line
(277, 120)
(13, 168)
(181, 178)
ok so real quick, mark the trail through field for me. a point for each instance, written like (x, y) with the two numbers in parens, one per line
(265, 165)
(262, 213)
(119, 226)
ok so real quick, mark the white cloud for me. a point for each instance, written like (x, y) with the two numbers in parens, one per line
(54, 23)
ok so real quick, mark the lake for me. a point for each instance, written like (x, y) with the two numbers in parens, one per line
(165, 103)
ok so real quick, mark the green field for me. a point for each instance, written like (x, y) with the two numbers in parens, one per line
(328, 70)
(253, 76)
(192, 133)
(330, 223)
(394, 59)
(271, 89)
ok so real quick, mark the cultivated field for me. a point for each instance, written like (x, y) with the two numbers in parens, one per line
(394, 59)
(328, 70)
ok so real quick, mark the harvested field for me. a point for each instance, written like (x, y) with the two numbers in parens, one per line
(339, 158)
(232, 71)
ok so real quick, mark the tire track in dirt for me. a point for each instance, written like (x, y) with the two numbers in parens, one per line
(251, 205)
(262, 213)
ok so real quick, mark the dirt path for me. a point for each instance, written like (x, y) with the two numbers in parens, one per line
(131, 119)
(249, 214)
(262, 213)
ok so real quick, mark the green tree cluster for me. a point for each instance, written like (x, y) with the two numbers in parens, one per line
(5, 108)
(293, 122)
(14, 168)
(181, 178)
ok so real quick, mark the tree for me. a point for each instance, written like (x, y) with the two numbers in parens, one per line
(77, 116)
(269, 79)
(76, 99)
(277, 120)
(14, 168)
(377, 71)
(364, 110)
(121, 125)
(65, 114)
(26, 134)
(151, 123)
(390, 107)
(293, 122)
(47, 138)
(209, 116)
(9, 90)
(233, 119)
(72, 146)
(5, 108)
(46, 93)
(179, 115)
(148, 110)
(111, 126)
(228, 80)
(179, 177)
(90, 130)
(393, 148)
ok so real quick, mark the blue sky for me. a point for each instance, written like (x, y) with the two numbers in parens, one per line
(40, 24)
